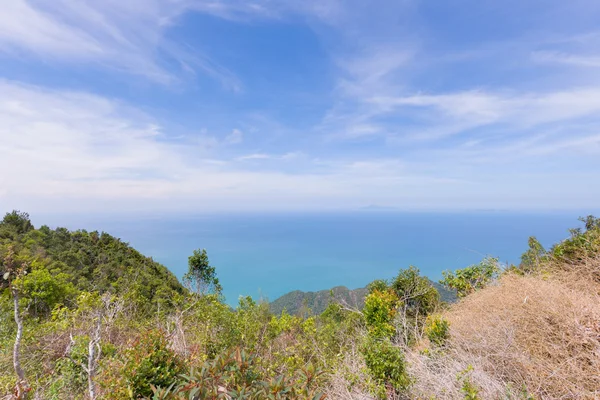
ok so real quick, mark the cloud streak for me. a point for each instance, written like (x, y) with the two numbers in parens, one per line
(125, 36)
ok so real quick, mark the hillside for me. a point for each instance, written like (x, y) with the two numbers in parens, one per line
(87, 261)
(85, 316)
(297, 302)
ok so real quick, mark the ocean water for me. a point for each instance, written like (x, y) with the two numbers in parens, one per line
(267, 255)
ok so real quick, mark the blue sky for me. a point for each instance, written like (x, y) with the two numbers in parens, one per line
(212, 105)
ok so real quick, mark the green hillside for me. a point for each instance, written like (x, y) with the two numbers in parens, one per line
(70, 261)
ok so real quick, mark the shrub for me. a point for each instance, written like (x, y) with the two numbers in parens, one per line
(467, 280)
(236, 375)
(379, 312)
(534, 257)
(416, 292)
(468, 388)
(437, 329)
(386, 364)
(150, 363)
(583, 243)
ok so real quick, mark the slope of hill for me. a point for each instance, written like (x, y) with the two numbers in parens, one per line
(297, 302)
(87, 261)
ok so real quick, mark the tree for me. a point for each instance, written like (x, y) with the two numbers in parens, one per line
(97, 311)
(417, 293)
(533, 257)
(417, 299)
(201, 276)
(13, 269)
(17, 222)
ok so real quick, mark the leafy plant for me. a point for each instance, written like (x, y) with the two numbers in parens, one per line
(237, 375)
(386, 364)
(149, 362)
(379, 312)
(467, 280)
(437, 329)
(469, 389)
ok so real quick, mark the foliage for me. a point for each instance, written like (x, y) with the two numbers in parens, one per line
(379, 312)
(534, 257)
(386, 364)
(416, 292)
(15, 223)
(157, 340)
(62, 260)
(468, 388)
(583, 243)
(467, 280)
(201, 276)
(149, 362)
(71, 377)
(298, 302)
(437, 329)
(237, 374)
(45, 289)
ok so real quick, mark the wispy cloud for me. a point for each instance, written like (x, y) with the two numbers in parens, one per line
(122, 35)
(235, 137)
(558, 57)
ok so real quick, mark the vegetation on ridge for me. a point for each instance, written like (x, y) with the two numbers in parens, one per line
(299, 302)
(83, 315)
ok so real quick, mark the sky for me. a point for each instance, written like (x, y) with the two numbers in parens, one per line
(264, 105)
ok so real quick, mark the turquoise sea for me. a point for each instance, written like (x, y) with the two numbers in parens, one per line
(267, 255)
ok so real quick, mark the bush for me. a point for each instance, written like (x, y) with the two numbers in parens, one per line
(150, 363)
(237, 375)
(583, 243)
(467, 280)
(379, 312)
(416, 292)
(386, 364)
(437, 329)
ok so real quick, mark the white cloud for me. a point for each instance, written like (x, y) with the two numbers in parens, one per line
(254, 156)
(455, 113)
(557, 57)
(123, 35)
(76, 151)
(235, 137)
(72, 152)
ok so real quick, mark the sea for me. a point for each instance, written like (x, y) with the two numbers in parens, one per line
(265, 255)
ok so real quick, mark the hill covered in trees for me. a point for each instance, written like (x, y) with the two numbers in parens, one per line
(61, 263)
(85, 316)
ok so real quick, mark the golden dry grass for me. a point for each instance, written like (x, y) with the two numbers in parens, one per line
(536, 332)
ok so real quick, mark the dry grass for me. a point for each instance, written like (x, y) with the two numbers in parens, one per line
(534, 332)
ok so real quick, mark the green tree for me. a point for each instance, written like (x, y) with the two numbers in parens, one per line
(44, 289)
(474, 277)
(417, 299)
(416, 292)
(16, 222)
(201, 276)
(533, 257)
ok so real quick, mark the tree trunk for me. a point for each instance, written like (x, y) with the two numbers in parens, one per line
(22, 387)
(93, 354)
